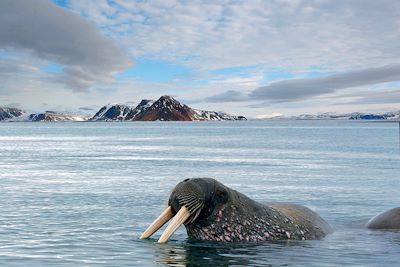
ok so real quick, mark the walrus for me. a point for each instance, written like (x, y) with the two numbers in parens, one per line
(212, 211)
(389, 219)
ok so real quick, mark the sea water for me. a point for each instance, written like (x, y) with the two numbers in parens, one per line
(81, 194)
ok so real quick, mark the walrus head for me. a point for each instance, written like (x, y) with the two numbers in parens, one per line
(191, 201)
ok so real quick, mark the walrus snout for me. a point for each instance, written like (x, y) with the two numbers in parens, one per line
(184, 206)
(187, 194)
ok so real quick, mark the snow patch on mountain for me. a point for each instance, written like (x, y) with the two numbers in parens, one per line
(215, 116)
(7, 113)
(121, 112)
(50, 116)
(338, 116)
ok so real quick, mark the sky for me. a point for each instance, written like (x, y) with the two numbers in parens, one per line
(257, 58)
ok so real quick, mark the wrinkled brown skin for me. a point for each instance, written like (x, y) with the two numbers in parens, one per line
(386, 220)
(231, 216)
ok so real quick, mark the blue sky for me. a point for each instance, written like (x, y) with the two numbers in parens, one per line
(154, 71)
(52, 68)
(255, 58)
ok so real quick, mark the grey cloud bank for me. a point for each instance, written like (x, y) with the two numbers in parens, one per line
(51, 33)
(388, 97)
(306, 88)
(228, 96)
(298, 89)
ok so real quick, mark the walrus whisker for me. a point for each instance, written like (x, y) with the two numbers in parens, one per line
(186, 199)
(188, 202)
(192, 203)
(182, 215)
(164, 217)
(196, 209)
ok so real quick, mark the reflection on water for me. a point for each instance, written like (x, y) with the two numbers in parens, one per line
(396, 239)
(220, 254)
(347, 246)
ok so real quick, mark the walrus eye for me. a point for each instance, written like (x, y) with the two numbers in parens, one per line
(221, 195)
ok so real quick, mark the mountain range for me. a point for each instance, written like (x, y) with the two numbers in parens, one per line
(166, 108)
(341, 116)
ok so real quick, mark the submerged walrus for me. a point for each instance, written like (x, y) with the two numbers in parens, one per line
(214, 212)
(389, 219)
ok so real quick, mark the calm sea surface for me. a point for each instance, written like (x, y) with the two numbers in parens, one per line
(80, 194)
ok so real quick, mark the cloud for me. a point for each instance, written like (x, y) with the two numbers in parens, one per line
(228, 96)
(292, 37)
(218, 34)
(299, 89)
(86, 108)
(389, 96)
(13, 105)
(18, 75)
(54, 34)
(308, 88)
(12, 65)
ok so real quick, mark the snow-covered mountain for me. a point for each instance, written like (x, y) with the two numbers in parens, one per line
(370, 116)
(166, 108)
(203, 115)
(120, 112)
(10, 113)
(55, 116)
(344, 116)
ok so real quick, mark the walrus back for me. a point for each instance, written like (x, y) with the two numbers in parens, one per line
(304, 216)
(386, 220)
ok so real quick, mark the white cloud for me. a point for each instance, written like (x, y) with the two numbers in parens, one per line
(51, 33)
(274, 33)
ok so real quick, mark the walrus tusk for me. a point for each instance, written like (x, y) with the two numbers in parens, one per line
(182, 215)
(164, 217)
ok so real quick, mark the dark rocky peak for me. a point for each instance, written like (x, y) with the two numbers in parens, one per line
(167, 108)
(144, 104)
(10, 113)
(368, 117)
(113, 112)
(167, 101)
(39, 117)
(117, 112)
(120, 112)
